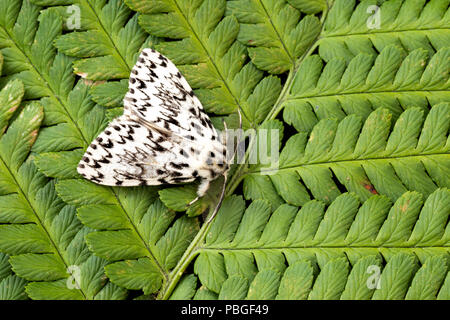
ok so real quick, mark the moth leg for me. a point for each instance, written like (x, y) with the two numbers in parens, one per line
(193, 201)
(202, 188)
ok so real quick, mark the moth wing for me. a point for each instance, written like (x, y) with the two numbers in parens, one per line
(128, 153)
(159, 94)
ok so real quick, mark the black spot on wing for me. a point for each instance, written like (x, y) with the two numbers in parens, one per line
(141, 84)
(162, 181)
(173, 121)
(104, 160)
(96, 165)
(193, 111)
(179, 166)
(107, 145)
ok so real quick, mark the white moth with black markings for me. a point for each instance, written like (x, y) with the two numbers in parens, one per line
(163, 137)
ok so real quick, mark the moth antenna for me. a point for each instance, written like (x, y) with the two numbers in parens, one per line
(240, 118)
(225, 131)
(222, 196)
(225, 175)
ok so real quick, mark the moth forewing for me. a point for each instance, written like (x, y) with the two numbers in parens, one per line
(163, 137)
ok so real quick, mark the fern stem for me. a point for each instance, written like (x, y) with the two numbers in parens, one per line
(359, 161)
(278, 106)
(190, 253)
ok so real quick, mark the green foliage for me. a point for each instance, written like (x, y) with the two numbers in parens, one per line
(319, 252)
(110, 38)
(364, 157)
(39, 232)
(349, 31)
(392, 80)
(274, 32)
(357, 207)
(12, 287)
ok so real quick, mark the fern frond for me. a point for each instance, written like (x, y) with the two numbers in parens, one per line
(12, 287)
(361, 187)
(275, 32)
(72, 121)
(106, 43)
(40, 234)
(326, 253)
(148, 241)
(51, 80)
(366, 158)
(351, 28)
(392, 80)
(206, 51)
(309, 6)
(135, 231)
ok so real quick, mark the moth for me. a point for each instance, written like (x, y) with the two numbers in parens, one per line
(163, 137)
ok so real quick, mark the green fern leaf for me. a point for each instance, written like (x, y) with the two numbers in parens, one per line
(109, 44)
(309, 6)
(350, 29)
(376, 161)
(392, 81)
(333, 254)
(41, 234)
(12, 287)
(140, 237)
(274, 32)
